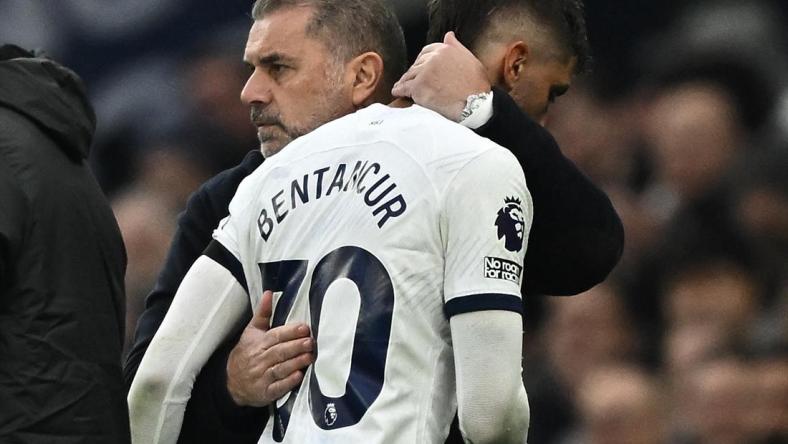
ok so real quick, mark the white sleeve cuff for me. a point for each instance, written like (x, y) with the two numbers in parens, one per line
(481, 115)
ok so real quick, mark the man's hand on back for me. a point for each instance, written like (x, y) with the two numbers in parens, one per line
(442, 78)
(267, 362)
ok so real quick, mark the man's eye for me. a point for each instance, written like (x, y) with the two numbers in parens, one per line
(276, 69)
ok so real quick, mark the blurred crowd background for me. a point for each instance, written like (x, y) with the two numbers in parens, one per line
(683, 121)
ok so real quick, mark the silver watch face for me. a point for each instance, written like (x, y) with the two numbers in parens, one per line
(472, 103)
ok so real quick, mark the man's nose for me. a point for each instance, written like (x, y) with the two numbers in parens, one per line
(256, 90)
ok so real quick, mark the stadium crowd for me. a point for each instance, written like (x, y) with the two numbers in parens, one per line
(683, 121)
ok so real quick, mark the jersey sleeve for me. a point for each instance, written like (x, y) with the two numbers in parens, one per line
(231, 237)
(495, 409)
(204, 210)
(208, 306)
(486, 218)
(226, 239)
(577, 236)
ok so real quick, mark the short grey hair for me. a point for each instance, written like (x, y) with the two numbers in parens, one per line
(351, 28)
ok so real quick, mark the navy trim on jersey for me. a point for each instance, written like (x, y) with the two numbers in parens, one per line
(223, 257)
(481, 302)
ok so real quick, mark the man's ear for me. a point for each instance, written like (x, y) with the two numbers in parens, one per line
(514, 62)
(367, 72)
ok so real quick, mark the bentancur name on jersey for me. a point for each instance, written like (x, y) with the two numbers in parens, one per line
(381, 195)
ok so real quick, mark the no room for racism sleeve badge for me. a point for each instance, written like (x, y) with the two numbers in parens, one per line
(510, 223)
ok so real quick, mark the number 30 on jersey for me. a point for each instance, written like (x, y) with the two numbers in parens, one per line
(370, 342)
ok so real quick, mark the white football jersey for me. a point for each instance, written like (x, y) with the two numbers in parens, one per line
(375, 229)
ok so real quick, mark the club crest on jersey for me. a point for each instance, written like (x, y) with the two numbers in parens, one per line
(330, 415)
(510, 223)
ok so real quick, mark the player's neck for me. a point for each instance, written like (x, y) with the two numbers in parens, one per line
(401, 102)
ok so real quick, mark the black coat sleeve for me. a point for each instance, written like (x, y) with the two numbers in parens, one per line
(210, 411)
(577, 237)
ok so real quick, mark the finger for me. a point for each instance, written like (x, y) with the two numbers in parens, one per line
(289, 336)
(410, 75)
(279, 388)
(451, 39)
(430, 48)
(289, 366)
(275, 373)
(262, 316)
(402, 89)
(422, 59)
(284, 369)
(282, 353)
(413, 71)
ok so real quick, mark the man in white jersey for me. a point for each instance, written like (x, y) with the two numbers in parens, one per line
(395, 234)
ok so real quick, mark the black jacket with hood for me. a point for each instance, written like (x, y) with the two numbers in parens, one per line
(62, 263)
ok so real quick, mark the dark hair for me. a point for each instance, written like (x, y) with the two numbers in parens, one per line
(351, 28)
(469, 20)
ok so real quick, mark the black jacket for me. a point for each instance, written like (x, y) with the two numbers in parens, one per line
(62, 263)
(576, 239)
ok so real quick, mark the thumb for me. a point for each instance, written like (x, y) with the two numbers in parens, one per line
(262, 316)
(451, 39)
